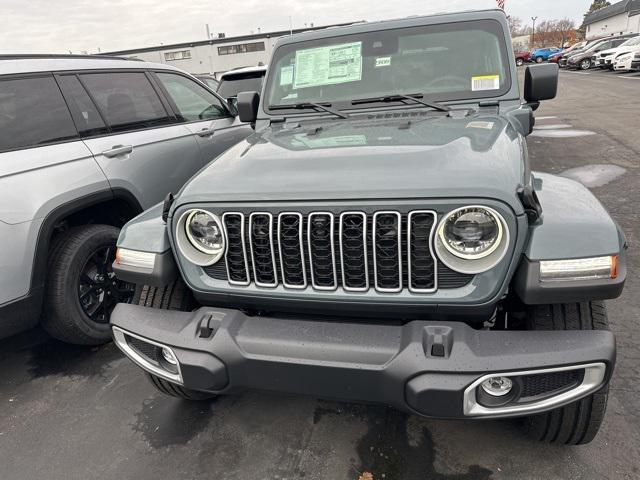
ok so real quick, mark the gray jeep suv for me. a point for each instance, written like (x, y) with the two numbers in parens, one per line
(85, 145)
(382, 238)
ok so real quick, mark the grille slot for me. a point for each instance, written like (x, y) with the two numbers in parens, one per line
(320, 230)
(236, 255)
(262, 252)
(291, 249)
(353, 251)
(387, 251)
(545, 383)
(421, 261)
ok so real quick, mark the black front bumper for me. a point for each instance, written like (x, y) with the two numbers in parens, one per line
(430, 368)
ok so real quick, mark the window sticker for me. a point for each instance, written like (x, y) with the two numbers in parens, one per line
(331, 65)
(485, 82)
(286, 75)
(383, 61)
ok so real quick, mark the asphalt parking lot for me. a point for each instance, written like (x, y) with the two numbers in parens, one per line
(78, 413)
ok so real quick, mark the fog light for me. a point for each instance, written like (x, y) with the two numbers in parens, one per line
(497, 386)
(168, 355)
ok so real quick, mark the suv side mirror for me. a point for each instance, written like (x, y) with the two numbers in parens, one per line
(540, 83)
(247, 106)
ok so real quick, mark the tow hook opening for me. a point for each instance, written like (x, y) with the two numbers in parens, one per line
(152, 356)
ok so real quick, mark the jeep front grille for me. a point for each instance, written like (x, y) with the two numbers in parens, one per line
(388, 251)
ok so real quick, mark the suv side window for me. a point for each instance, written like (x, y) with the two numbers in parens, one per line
(127, 100)
(194, 102)
(33, 113)
(85, 114)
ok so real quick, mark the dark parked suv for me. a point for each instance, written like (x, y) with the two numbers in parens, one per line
(87, 143)
(381, 238)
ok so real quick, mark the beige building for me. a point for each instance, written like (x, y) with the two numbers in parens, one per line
(216, 55)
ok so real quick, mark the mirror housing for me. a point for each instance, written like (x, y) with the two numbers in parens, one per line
(247, 106)
(540, 83)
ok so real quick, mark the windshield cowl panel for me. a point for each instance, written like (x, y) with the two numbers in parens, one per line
(447, 62)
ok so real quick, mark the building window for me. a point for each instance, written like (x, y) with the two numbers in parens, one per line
(179, 55)
(241, 48)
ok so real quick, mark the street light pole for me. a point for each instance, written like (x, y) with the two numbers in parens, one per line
(533, 32)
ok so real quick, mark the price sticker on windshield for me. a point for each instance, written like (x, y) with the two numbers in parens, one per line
(331, 65)
(485, 82)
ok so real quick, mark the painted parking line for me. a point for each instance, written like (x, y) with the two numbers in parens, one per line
(549, 117)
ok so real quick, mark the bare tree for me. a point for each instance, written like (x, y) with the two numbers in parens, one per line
(565, 26)
(515, 25)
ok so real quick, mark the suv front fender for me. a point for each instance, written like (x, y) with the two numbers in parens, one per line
(574, 225)
(146, 234)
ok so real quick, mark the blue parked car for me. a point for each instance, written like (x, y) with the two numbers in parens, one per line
(539, 55)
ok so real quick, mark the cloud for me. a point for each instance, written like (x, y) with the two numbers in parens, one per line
(45, 26)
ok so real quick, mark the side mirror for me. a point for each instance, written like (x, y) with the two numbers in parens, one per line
(247, 106)
(540, 83)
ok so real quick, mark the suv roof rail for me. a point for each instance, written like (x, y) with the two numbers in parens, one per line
(18, 56)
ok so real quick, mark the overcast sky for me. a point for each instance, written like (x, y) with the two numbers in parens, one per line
(59, 26)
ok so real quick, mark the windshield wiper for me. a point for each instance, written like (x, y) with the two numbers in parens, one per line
(305, 105)
(416, 97)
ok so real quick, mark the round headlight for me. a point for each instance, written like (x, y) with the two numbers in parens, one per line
(471, 232)
(204, 231)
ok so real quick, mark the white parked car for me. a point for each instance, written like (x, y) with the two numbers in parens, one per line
(608, 58)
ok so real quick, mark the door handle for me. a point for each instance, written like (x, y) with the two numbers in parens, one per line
(206, 132)
(118, 150)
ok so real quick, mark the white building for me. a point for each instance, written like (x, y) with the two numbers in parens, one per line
(616, 19)
(216, 55)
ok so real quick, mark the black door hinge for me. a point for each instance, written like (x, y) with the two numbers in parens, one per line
(530, 202)
(166, 206)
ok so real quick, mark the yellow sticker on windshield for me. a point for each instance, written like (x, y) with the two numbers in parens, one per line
(485, 82)
(328, 65)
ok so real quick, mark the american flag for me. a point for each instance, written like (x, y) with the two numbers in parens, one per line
(500, 4)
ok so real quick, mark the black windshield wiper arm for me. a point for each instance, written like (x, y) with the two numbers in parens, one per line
(317, 106)
(416, 97)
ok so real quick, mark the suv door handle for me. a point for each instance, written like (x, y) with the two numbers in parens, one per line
(118, 150)
(206, 132)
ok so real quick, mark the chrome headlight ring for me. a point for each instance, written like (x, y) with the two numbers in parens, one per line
(194, 250)
(484, 259)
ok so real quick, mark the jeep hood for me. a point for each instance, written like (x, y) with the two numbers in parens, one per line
(386, 156)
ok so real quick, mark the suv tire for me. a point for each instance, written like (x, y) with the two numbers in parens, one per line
(519, 62)
(174, 390)
(578, 422)
(585, 64)
(175, 296)
(71, 253)
(539, 59)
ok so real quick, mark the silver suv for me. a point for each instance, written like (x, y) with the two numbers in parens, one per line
(87, 143)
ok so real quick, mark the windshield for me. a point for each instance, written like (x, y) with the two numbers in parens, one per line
(632, 41)
(464, 60)
(231, 85)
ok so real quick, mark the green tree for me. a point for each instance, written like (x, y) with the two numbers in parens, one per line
(595, 5)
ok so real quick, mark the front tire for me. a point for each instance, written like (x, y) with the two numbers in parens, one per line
(81, 288)
(519, 62)
(174, 390)
(539, 59)
(579, 422)
(585, 64)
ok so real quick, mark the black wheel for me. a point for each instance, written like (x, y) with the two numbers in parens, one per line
(174, 390)
(578, 422)
(539, 59)
(81, 289)
(585, 64)
(175, 296)
(519, 62)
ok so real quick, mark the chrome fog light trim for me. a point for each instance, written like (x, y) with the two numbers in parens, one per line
(594, 374)
(120, 339)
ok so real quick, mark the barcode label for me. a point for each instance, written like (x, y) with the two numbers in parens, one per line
(487, 82)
